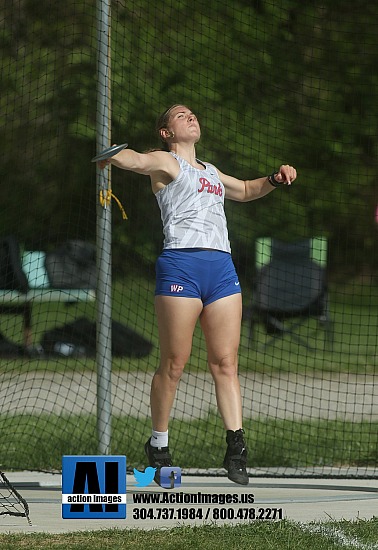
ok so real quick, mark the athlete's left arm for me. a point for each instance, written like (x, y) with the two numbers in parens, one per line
(249, 190)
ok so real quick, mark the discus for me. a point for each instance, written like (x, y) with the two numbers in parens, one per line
(109, 152)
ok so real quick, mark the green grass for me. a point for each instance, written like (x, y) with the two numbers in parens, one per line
(38, 442)
(283, 535)
(354, 310)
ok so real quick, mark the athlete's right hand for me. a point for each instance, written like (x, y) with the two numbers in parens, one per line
(103, 163)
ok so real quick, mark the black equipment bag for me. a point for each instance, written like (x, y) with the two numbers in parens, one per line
(79, 339)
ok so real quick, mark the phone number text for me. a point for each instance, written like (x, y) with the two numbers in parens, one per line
(208, 513)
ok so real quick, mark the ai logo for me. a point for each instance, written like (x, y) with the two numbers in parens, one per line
(94, 487)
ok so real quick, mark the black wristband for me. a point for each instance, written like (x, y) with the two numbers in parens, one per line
(272, 180)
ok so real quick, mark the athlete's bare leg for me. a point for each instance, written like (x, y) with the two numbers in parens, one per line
(221, 321)
(177, 317)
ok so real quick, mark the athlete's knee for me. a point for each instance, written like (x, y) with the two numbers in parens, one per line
(173, 367)
(226, 365)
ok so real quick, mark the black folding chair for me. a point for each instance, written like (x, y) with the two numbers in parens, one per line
(290, 287)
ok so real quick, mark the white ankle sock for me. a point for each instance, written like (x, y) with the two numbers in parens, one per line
(159, 439)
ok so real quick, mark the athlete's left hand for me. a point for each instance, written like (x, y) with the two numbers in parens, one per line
(286, 174)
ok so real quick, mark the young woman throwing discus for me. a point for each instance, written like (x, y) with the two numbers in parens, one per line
(195, 277)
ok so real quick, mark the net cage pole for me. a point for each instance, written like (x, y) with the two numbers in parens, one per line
(103, 233)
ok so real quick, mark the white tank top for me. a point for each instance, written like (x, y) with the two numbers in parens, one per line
(192, 209)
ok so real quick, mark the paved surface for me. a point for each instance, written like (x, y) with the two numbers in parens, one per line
(285, 395)
(301, 500)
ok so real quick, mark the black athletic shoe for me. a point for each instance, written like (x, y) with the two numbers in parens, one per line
(157, 458)
(235, 460)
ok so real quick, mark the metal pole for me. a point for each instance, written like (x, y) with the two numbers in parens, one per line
(103, 234)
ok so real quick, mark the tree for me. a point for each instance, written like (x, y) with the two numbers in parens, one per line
(271, 84)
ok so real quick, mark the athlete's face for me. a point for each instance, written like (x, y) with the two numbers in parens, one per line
(184, 124)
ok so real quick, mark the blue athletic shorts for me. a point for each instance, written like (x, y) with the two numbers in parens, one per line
(196, 273)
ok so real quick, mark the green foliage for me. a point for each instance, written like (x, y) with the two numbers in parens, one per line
(292, 83)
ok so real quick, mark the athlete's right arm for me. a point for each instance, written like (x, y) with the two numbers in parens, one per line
(147, 164)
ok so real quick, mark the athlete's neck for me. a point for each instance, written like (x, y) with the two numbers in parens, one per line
(186, 152)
